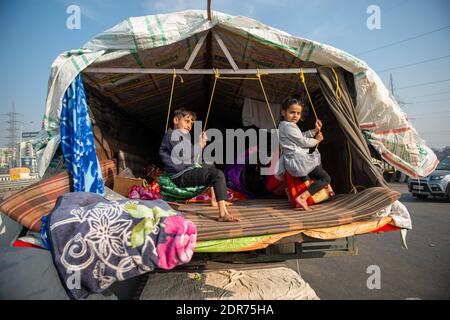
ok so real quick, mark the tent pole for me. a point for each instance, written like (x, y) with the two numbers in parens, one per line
(199, 71)
(225, 51)
(209, 10)
(195, 52)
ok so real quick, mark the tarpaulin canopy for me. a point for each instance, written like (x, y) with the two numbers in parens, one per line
(167, 41)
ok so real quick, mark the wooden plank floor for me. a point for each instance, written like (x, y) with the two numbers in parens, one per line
(269, 216)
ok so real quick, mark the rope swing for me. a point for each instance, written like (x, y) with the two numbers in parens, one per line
(303, 81)
(174, 77)
(217, 76)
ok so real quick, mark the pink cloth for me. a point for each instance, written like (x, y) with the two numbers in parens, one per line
(180, 238)
(138, 192)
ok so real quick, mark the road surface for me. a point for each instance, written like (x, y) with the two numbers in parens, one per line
(421, 272)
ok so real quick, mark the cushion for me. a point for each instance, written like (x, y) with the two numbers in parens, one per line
(296, 187)
(276, 186)
(37, 200)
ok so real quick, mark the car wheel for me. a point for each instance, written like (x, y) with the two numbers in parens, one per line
(448, 194)
(388, 177)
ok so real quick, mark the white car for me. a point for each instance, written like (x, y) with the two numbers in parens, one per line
(437, 184)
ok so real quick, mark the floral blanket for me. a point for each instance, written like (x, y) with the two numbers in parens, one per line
(95, 242)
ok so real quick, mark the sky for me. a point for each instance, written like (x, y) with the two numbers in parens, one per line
(412, 44)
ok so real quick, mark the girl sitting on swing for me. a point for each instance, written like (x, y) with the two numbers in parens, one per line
(295, 157)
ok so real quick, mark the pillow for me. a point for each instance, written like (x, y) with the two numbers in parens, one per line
(37, 200)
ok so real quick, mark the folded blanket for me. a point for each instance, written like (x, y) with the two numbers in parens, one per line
(95, 242)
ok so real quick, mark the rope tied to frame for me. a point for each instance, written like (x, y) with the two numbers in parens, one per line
(174, 77)
(217, 76)
(338, 92)
(353, 189)
(303, 80)
(258, 75)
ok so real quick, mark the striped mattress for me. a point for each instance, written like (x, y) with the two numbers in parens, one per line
(271, 216)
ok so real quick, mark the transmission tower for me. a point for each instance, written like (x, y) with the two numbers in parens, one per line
(12, 135)
(393, 93)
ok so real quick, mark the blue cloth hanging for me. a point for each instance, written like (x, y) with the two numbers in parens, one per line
(77, 140)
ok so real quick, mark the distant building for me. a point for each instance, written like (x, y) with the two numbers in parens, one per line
(4, 157)
(27, 135)
(25, 156)
(4, 160)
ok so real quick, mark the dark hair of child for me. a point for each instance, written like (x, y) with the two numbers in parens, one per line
(183, 112)
(291, 101)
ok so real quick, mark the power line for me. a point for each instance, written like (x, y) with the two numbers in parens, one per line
(358, 22)
(429, 95)
(404, 40)
(426, 114)
(427, 101)
(432, 117)
(438, 131)
(423, 84)
(414, 64)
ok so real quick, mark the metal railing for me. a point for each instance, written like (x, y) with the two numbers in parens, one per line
(9, 185)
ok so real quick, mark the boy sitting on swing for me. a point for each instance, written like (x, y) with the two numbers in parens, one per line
(184, 171)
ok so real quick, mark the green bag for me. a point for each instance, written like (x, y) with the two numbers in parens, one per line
(171, 192)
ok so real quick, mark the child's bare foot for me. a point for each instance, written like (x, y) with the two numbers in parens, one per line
(301, 200)
(215, 204)
(228, 218)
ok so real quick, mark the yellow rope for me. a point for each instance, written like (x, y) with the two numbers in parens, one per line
(354, 188)
(238, 78)
(216, 77)
(171, 96)
(338, 88)
(338, 91)
(303, 80)
(258, 75)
